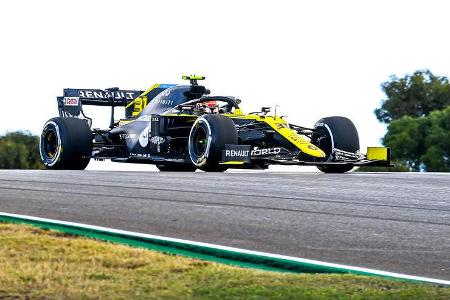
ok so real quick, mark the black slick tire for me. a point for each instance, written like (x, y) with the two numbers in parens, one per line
(335, 132)
(207, 139)
(66, 144)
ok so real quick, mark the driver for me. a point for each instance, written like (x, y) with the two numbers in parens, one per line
(209, 107)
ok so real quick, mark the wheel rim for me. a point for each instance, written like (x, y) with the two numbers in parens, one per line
(50, 143)
(200, 142)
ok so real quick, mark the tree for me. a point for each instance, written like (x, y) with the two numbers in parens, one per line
(423, 143)
(414, 95)
(19, 150)
(417, 109)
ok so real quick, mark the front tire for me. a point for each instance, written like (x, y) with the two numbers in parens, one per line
(335, 132)
(66, 144)
(207, 139)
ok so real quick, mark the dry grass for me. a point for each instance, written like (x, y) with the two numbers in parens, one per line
(38, 264)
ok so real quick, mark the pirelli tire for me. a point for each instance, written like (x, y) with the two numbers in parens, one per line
(335, 132)
(207, 139)
(66, 144)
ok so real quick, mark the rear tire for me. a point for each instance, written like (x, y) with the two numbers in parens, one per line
(207, 139)
(66, 144)
(340, 133)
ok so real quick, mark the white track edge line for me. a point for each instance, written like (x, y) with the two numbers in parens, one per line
(226, 248)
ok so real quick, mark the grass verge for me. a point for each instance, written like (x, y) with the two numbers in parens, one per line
(37, 264)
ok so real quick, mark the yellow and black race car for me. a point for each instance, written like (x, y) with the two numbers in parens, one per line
(184, 128)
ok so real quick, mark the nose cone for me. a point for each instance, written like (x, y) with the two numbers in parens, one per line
(313, 150)
(301, 142)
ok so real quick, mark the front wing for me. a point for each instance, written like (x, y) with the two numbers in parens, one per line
(243, 155)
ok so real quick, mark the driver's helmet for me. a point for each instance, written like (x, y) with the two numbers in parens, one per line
(211, 107)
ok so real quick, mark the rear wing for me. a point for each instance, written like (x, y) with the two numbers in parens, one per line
(72, 101)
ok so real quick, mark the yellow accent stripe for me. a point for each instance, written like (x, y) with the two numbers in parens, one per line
(237, 113)
(144, 93)
(132, 102)
(233, 162)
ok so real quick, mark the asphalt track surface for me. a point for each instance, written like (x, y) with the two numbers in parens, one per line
(392, 222)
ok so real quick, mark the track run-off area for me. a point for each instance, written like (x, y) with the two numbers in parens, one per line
(398, 222)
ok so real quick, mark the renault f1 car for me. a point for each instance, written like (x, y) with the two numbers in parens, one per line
(184, 128)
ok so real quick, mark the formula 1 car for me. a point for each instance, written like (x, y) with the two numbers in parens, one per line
(184, 128)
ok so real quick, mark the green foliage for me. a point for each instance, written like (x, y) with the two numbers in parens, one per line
(19, 150)
(422, 143)
(414, 95)
(417, 109)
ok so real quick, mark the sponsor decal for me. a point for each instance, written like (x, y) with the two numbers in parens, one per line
(144, 118)
(144, 136)
(297, 139)
(126, 136)
(244, 153)
(266, 151)
(281, 125)
(166, 92)
(236, 153)
(312, 147)
(71, 101)
(143, 155)
(157, 140)
(164, 101)
(99, 94)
